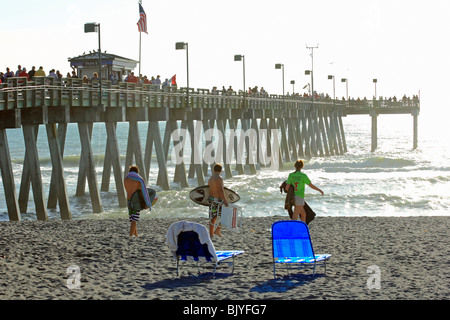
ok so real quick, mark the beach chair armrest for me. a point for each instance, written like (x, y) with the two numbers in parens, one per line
(224, 254)
(319, 257)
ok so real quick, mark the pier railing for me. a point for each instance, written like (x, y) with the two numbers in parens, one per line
(20, 93)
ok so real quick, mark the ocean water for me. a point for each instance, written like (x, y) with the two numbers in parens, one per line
(395, 180)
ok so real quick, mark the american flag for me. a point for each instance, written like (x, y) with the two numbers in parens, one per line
(142, 23)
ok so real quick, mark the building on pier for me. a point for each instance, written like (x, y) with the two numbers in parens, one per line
(113, 66)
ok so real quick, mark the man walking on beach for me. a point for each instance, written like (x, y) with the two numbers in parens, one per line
(216, 199)
(298, 180)
(132, 184)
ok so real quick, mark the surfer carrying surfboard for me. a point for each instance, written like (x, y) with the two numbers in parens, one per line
(132, 183)
(216, 199)
(298, 180)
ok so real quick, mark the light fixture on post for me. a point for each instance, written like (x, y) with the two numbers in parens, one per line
(281, 66)
(183, 46)
(293, 83)
(375, 82)
(95, 27)
(307, 73)
(312, 67)
(331, 77)
(346, 81)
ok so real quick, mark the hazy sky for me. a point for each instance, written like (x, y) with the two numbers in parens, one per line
(402, 43)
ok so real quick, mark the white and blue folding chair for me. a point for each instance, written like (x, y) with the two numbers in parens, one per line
(190, 241)
(292, 246)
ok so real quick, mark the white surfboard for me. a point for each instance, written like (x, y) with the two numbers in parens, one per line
(200, 195)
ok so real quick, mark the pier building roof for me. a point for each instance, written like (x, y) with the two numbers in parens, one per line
(91, 59)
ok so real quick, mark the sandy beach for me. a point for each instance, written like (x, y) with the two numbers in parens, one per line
(412, 254)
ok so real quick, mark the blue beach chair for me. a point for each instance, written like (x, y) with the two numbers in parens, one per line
(190, 241)
(291, 244)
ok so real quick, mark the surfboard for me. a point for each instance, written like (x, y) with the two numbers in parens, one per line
(310, 214)
(200, 195)
(137, 199)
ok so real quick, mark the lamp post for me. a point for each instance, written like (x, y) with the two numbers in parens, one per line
(182, 46)
(281, 66)
(95, 27)
(311, 87)
(241, 57)
(312, 67)
(293, 82)
(375, 82)
(331, 77)
(346, 82)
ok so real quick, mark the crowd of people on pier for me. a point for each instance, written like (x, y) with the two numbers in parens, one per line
(57, 75)
(141, 80)
(262, 93)
(22, 72)
(229, 91)
(145, 80)
(326, 97)
(32, 73)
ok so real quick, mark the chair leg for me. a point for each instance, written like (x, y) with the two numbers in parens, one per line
(214, 272)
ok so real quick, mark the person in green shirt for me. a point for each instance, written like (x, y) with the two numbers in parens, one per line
(298, 180)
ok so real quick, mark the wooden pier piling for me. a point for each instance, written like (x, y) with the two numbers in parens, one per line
(415, 115)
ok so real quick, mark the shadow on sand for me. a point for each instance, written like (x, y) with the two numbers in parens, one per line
(285, 283)
(186, 281)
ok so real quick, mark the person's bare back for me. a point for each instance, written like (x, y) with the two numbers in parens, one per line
(215, 184)
(131, 186)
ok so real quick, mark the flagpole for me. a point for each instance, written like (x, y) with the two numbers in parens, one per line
(140, 36)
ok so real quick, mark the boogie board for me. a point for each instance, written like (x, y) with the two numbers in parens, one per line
(310, 214)
(137, 199)
(200, 195)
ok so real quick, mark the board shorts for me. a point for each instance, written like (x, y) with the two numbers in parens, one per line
(215, 207)
(132, 214)
(299, 201)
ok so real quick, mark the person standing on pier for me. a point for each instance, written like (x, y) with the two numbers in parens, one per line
(216, 199)
(19, 70)
(40, 72)
(32, 73)
(8, 74)
(298, 180)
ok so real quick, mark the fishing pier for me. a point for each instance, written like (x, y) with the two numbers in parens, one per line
(242, 132)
